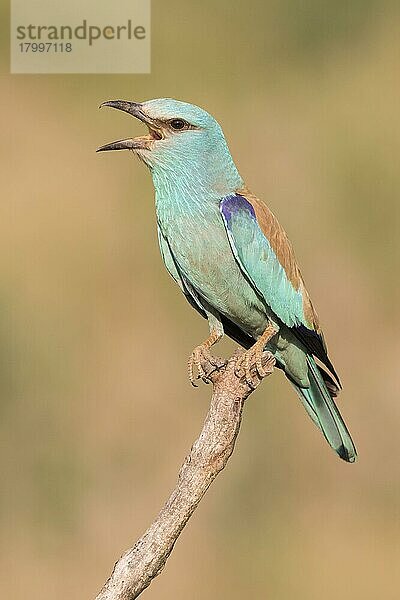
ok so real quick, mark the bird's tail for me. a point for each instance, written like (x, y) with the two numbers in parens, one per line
(321, 407)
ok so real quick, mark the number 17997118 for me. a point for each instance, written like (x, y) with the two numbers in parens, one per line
(45, 47)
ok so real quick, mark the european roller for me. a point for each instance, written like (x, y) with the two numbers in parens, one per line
(231, 257)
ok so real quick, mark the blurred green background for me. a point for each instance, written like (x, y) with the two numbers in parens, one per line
(96, 410)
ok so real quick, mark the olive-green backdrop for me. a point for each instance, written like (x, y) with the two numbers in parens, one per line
(96, 413)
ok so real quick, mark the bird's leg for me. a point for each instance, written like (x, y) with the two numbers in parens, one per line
(202, 352)
(253, 356)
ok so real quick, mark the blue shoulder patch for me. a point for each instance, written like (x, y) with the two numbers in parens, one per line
(235, 203)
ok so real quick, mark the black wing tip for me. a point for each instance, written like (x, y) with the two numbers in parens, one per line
(332, 369)
(314, 343)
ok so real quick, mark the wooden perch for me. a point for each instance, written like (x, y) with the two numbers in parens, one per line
(139, 565)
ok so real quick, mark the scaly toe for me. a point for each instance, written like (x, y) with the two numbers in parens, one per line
(191, 371)
(243, 368)
(200, 355)
(238, 366)
(248, 362)
(197, 362)
(260, 369)
(194, 364)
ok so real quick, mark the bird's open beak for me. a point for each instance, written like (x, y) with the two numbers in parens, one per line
(143, 142)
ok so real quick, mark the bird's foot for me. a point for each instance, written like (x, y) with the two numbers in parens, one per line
(252, 360)
(201, 356)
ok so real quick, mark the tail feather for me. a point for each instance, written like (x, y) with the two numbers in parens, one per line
(323, 411)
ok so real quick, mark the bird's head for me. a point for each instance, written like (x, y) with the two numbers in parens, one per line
(183, 142)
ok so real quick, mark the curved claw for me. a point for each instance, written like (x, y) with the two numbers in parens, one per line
(201, 354)
(249, 364)
(244, 365)
(252, 358)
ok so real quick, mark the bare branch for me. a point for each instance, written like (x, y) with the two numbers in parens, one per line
(139, 565)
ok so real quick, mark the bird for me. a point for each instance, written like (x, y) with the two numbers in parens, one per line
(231, 257)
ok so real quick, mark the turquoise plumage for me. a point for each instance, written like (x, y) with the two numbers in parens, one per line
(231, 258)
(258, 261)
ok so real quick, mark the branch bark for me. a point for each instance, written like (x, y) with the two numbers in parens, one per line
(139, 565)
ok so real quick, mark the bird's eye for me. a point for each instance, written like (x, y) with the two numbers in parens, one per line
(178, 124)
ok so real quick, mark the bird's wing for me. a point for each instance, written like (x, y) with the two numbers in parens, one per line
(175, 273)
(230, 328)
(265, 254)
(266, 257)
